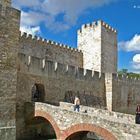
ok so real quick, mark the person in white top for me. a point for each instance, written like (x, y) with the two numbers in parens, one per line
(76, 104)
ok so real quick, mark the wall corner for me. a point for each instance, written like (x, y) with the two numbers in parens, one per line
(108, 89)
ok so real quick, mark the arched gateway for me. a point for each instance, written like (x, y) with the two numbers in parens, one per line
(79, 131)
(39, 113)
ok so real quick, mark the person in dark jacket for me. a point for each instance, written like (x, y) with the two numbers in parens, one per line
(137, 114)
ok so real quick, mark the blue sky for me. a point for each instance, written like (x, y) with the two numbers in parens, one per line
(59, 20)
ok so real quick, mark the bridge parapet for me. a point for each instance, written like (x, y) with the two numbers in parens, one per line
(108, 126)
(101, 112)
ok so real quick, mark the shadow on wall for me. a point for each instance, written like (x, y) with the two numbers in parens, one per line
(36, 127)
(38, 93)
(40, 128)
(85, 99)
(84, 135)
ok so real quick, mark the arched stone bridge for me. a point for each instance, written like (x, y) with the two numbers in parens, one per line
(108, 125)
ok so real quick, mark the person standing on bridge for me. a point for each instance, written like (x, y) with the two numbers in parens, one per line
(77, 104)
(138, 114)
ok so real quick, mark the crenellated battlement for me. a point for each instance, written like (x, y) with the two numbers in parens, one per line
(107, 26)
(44, 42)
(125, 78)
(34, 65)
(94, 25)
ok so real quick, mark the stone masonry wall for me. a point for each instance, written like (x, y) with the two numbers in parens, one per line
(9, 37)
(123, 92)
(109, 49)
(50, 50)
(89, 42)
(98, 42)
(5, 3)
(61, 77)
(57, 79)
(108, 123)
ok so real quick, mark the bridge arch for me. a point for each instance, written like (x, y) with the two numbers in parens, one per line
(90, 128)
(48, 117)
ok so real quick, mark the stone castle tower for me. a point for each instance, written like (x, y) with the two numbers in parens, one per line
(98, 42)
(9, 42)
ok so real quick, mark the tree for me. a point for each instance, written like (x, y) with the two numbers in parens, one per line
(130, 74)
(123, 71)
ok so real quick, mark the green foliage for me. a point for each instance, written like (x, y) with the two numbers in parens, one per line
(133, 74)
(123, 71)
(130, 74)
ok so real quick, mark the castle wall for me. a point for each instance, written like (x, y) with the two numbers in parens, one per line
(123, 93)
(50, 50)
(9, 36)
(57, 79)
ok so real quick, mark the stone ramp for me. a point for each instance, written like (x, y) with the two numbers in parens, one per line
(115, 116)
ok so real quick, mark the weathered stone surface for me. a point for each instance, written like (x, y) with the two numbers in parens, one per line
(56, 83)
(8, 133)
(50, 50)
(59, 73)
(121, 126)
(122, 93)
(5, 3)
(9, 36)
(98, 42)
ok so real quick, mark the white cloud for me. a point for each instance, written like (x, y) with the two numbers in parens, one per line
(25, 3)
(71, 8)
(47, 11)
(131, 45)
(58, 27)
(30, 30)
(136, 58)
(135, 64)
(29, 24)
(32, 18)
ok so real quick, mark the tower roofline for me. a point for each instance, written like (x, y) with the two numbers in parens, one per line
(94, 24)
